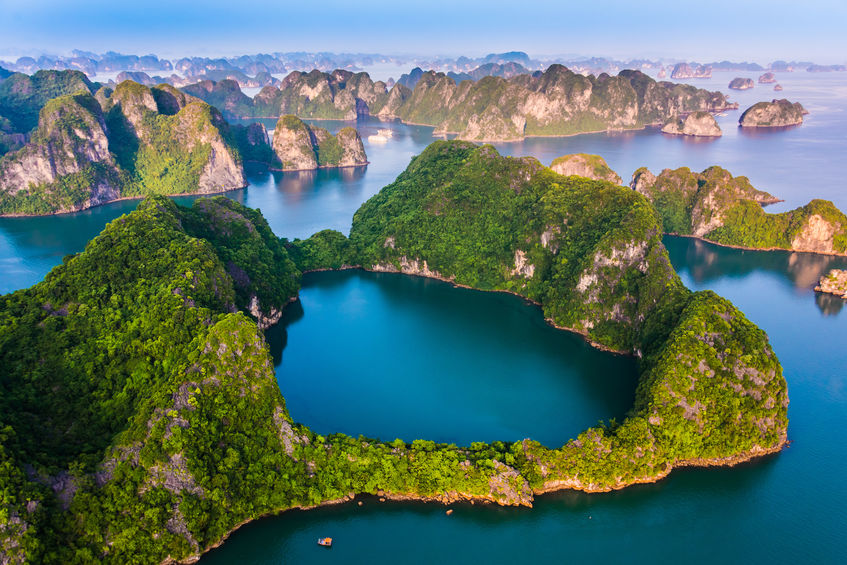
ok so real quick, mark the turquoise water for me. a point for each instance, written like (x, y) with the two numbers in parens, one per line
(387, 356)
(454, 351)
(786, 508)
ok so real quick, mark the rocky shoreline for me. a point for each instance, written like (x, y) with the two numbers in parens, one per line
(834, 282)
(745, 248)
(121, 199)
(426, 273)
(549, 487)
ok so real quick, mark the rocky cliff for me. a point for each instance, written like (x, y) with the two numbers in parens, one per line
(340, 95)
(22, 96)
(590, 253)
(776, 113)
(584, 165)
(702, 124)
(739, 83)
(298, 146)
(767, 78)
(695, 203)
(555, 102)
(834, 282)
(721, 208)
(684, 70)
(67, 164)
(139, 453)
(128, 142)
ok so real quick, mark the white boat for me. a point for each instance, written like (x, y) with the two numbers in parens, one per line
(381, 136)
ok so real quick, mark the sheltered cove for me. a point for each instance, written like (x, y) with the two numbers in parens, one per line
(710, 391)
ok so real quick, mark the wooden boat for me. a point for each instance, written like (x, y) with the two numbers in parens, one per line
(326, 542)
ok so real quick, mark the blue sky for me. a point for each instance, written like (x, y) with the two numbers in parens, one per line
(736, 30)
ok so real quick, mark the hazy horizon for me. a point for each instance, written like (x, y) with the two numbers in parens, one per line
(756, 31)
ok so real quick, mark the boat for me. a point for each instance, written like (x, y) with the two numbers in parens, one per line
(326, 542)
(381, 136)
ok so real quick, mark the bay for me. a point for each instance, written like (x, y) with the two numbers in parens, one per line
(781, 509)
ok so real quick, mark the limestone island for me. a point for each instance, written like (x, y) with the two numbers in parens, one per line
(717, 207)
(684, 70)
(767, 78)
(834, 282)
(144, 422)
(89, 148)
(584, 165)
(700, 124)
(777, 87)
(777, 113)
(741, 83)
(300, 147)
(550, 103)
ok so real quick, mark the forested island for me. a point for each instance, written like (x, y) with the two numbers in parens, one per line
(776, 113)
(554, 102)
(715, 206)
(718, 207)
(298, 146)
(71, 144)
(142, 420)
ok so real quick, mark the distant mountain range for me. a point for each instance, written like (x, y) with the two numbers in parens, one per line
(258, 70)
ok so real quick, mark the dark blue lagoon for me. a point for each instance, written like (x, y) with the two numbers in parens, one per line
(387, 356)
(786, 508)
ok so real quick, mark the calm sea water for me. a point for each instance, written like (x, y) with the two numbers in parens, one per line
(441, 351)
(414, 357)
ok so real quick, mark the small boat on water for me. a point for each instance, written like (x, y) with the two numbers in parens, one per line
(326, 542)
(381, 136)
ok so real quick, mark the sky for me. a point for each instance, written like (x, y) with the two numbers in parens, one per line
(713, 30)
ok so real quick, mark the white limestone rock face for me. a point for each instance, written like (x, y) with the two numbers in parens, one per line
(740, 83)
(299, 147)
(776, 113)
(834, 282)
(698, 124)
(585, 165)
(70, 138)
(294, 145)
(352, 148)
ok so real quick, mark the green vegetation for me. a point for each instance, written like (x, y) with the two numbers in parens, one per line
(777, 113)
(23, 96)
(495, 108)
(252, 143)
(313, 95)
(140, 418)
(134, 141)
(68, 192)
(224, 95)
(164, 163)
(327, 249)
(710, 388)
(747, 225)
(329, 151)
(492, 108)
(300, 146)
(727, 210)
(585, 165)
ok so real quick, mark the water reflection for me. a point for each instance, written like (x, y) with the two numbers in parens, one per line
(706, 263)
(764, 132)
(692, 139)
(829, 304)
